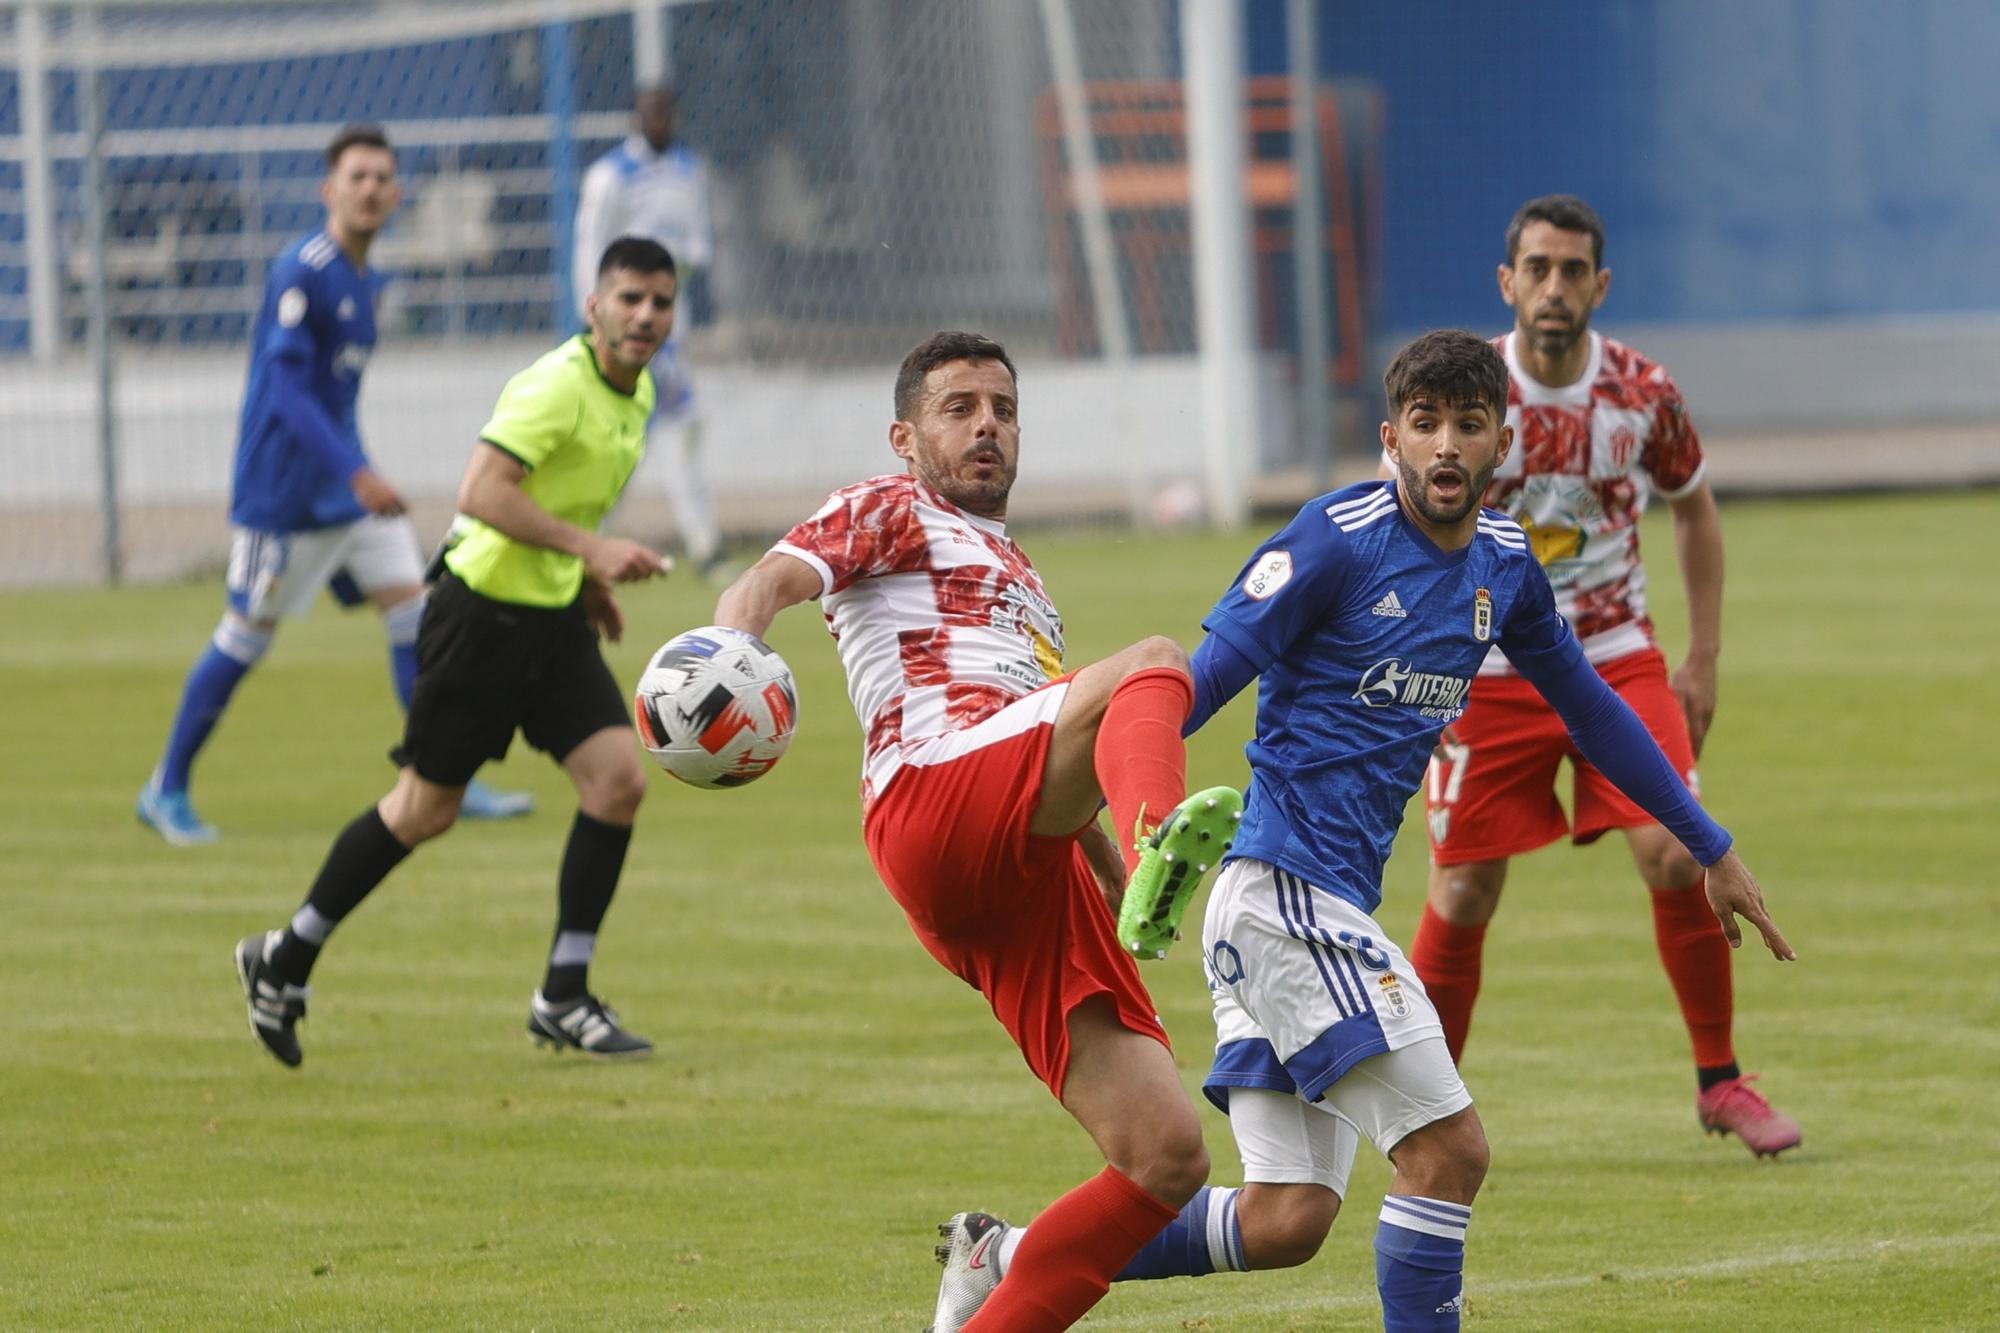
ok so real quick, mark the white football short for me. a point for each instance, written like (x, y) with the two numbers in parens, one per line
(276, 574)
(1312, 999)
(1284, 1141)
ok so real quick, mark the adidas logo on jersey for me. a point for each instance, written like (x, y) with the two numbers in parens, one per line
(1390, 605)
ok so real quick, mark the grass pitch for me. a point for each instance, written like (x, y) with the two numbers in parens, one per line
(825, 1094)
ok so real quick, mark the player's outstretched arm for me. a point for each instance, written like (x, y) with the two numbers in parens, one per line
(766, 588)
(1733, 892)
(491, 492)
(1610, 735)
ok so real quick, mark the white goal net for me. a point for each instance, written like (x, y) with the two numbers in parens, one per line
(879, 169)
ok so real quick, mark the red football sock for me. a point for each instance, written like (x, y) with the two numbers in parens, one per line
(1447, 959)
(1696, 956)
(1141, 759)
(1069, 1256)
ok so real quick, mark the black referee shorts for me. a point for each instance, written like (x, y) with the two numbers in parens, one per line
(486, 668)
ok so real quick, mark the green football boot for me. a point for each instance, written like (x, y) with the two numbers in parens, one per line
(1172, 860)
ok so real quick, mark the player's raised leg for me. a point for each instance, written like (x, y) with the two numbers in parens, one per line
(1118, 741)
(610, 785)
(1696, 957)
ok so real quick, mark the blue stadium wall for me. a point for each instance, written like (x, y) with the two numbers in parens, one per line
(458, 78)
(1754, 160)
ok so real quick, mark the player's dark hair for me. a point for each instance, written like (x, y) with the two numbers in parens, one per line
(1565, 212)
(940, 349)
(1450, 367)
(635, 254)
(357, 136)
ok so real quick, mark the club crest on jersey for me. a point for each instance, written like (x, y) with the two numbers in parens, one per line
(1272, 571)
(1393, 996)
(1020, 610)
(1482, 615)
(1393, 681)
(1555, 540)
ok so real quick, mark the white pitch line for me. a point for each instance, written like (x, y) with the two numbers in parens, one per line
(1475, 1288)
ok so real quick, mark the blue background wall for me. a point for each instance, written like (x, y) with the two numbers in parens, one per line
(1753, 159)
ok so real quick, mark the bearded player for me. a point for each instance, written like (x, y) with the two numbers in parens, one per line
(1600, 429)
(986, 763)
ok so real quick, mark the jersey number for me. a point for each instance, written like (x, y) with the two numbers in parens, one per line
(1363, 947)
(1447, 772)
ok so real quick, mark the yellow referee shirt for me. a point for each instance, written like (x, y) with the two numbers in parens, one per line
(580, 438)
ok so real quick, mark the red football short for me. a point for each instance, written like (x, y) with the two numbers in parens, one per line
(1493, 793)
(1019, 918)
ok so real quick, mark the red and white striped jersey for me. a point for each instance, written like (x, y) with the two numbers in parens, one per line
(940, 619)
(1586, 458)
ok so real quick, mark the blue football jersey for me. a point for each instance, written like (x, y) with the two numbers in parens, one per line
(1367, 637)
(298, 441)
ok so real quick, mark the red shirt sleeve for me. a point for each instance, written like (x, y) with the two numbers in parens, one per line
(862, 531)
(1672, 456)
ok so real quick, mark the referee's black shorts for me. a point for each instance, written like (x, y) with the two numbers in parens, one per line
(486, 668)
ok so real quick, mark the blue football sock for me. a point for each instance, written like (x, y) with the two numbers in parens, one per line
(1420, 1263)
(1203, 1239)
(232, 651)
(401, 621)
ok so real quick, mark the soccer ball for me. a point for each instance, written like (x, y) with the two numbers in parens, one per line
(716, 707)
